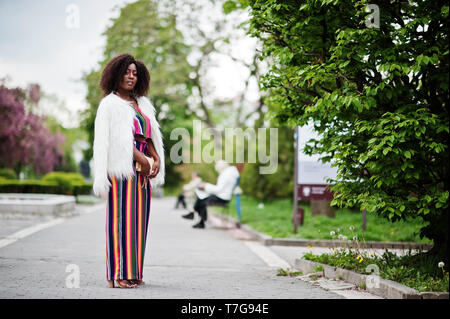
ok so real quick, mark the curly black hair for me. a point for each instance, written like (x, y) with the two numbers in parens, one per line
(116, 68)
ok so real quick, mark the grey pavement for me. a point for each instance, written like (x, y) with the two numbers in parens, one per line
(180, 262)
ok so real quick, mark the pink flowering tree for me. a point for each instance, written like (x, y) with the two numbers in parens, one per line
(24, 139)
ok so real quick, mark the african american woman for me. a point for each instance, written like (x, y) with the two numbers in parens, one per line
(127, 135)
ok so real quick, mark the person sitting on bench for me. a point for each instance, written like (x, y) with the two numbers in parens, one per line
(187, 194)
(210, 194)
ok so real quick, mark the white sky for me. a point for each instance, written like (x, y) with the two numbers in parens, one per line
(36, 46)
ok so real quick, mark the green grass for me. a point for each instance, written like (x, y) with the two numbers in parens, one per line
(288, 273)
(420, 271)
(275, 219)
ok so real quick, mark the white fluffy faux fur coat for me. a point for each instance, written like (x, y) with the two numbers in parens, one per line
(113, 141)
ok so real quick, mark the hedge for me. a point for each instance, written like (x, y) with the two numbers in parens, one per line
(43, 187)
(63, 177)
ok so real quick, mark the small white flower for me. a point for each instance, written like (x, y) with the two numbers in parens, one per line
(332, 233)
(260, 205)
(338, 230)
(340, 236)
(344, 237)
(441, 264)
(355, 238)
(351, 228)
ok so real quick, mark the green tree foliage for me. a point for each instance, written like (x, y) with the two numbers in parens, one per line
(378, 95)
(142, 31)
(279, 185)
(7, 173)
(72, 136)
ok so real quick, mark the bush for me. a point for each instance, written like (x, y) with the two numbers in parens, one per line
(52, 183)
(8, 173)
(81, 189)
(28, 186)
(65, 181)
(64, 177)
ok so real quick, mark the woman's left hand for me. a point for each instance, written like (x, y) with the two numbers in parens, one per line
(155, 168)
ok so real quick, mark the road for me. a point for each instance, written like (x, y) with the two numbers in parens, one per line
(180, 262)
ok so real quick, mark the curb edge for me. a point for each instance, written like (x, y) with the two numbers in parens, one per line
(387, 289)
(268, 240)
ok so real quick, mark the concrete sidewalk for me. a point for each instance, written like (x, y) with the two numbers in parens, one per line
(288, 254)
(180, 262)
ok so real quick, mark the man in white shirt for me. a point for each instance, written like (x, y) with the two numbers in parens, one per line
(210, 194)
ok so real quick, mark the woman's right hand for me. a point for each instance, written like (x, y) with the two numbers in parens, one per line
(145, 166)
(140, 158)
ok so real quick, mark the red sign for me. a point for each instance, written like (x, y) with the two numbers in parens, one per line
(316, 192)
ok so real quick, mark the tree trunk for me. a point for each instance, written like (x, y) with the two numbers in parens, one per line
(437, 230)
(322, 207)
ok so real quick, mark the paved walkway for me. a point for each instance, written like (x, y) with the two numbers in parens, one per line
(180, 262)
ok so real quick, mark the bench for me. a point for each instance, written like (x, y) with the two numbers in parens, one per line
(226, 207)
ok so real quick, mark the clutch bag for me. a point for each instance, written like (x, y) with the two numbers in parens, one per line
(150, 161)
(139, 168)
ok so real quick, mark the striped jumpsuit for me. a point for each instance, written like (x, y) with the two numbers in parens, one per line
(127, 216)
